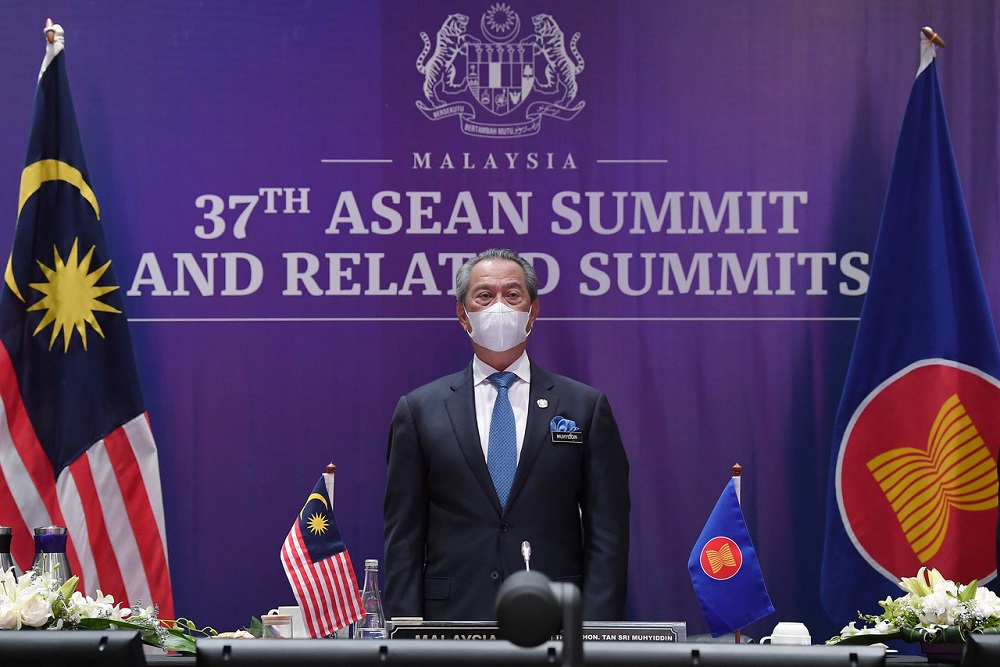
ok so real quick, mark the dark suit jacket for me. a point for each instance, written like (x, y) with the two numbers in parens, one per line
(448, 546)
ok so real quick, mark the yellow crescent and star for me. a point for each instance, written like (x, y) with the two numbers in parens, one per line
(316, 522)
(71, 290)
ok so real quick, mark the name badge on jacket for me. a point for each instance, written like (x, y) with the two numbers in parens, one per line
(565, 430)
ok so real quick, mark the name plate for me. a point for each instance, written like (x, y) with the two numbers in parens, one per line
(414, 629)
(634, 631)
(599, 631)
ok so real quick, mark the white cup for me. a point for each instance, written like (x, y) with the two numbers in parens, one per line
(298, 625)
(796, 634)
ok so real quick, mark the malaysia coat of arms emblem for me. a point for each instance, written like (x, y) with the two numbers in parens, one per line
(498, 85)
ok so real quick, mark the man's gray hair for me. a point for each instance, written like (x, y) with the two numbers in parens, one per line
(464, 274)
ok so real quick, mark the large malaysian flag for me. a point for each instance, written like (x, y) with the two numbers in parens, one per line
(76, 448)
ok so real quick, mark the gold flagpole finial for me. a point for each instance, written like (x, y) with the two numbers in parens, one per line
(933, 37)
(50, 31)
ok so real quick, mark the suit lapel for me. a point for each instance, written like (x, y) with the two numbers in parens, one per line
(461, 408)
(543, 405)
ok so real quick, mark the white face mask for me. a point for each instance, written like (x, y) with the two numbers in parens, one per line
(499, 327)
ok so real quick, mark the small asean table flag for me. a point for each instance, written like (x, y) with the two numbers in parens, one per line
(725, 572)
(319, 568)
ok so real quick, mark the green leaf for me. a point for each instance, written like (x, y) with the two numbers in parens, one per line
(866, 640)
(173, 639)
(968, 592)
(69, 587)
(949, 635)
(914, 634)
(179, 643)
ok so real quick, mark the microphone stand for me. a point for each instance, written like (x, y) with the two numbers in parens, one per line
(531, 608)
(572, 623)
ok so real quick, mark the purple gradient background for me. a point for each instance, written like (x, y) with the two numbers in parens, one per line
(179, 99)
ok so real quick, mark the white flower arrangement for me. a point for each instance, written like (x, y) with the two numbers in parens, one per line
(38, 601)
(934, 610)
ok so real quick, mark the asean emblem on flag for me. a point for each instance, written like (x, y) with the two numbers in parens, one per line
(916, 476)
(487, 81)
(721, 558)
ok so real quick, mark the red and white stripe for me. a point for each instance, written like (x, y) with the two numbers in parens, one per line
(327, 591)
(109, 499)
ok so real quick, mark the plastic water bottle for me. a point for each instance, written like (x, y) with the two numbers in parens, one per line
(372, 624)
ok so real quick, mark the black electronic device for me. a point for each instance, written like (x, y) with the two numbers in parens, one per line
(981, 651)
(530, 609)
(71, 648)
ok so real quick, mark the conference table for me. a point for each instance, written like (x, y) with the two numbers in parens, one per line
(456, 643)
(332, 653)
(122, 648)
(443, 644)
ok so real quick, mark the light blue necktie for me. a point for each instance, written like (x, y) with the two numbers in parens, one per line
(501, 453)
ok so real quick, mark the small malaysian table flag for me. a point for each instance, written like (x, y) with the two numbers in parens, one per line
(319, 567)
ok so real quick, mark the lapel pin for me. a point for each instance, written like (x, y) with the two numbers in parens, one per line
(542, 403)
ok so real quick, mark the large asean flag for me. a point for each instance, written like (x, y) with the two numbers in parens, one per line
(913, 479)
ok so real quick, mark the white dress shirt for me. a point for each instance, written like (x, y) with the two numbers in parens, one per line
(486, 396)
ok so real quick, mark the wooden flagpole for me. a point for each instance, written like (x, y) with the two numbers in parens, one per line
(934, 38)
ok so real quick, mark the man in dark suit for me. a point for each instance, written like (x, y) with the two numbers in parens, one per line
(459, 505)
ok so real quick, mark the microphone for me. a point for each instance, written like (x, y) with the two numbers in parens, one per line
(526, 554)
